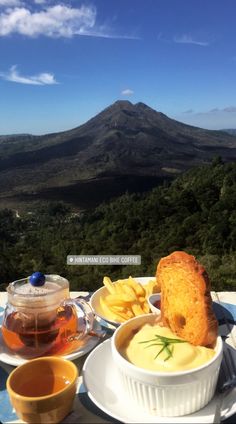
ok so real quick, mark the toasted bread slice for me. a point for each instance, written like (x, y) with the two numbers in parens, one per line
(186, 305)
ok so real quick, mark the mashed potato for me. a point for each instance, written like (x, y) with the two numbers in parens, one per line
(147, 350)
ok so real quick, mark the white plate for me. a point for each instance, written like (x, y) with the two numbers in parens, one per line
(105, 390)
(95, 303)
(15, 360)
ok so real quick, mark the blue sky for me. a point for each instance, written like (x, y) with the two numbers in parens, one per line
(63, 61)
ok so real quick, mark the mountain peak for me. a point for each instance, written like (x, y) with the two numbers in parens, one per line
(123, 103)
(141, 105)
(127, 106)
(116, 107)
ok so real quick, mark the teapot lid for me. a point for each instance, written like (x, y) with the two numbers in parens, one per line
(38, 289)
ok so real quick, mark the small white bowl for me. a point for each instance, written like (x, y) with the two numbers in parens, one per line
(152, 299)
(95, 303)
(165, 393)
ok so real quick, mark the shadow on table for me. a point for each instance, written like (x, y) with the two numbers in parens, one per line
(6, 410)
(225, 316)
(230, 420)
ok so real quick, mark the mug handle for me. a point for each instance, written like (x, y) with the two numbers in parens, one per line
(88, 317)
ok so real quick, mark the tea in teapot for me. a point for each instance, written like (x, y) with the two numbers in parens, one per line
(40, 318)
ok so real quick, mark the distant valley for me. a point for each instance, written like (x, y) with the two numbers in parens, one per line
(126, 147)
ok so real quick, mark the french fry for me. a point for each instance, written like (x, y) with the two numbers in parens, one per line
(128, 293)
(139, 289)
(109, 285)
(129, 314)
(142, 299)
(126, 298)
(115, 300)
(125, 292)
(122, 314)
(146, 308)
(108, 311)
(118, 288)
(136, 308)
(117, 308)
(150, 287)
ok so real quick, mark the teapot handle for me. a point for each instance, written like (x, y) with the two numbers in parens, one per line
(88, 316)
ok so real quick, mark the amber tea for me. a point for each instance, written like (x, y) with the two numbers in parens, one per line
(45, 385)
(31, 336)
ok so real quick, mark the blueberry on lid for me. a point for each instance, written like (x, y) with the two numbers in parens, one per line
(37, 279)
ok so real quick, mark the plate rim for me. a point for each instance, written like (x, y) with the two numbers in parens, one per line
(15, 361)
(158, 419)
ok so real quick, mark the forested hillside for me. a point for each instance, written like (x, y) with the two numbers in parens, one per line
(196, 213)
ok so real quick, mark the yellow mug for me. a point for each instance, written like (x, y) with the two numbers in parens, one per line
(43, 389)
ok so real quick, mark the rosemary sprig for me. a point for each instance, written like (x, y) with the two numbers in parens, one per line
(165, 342)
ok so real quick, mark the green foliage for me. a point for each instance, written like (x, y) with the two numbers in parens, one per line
(196, 213)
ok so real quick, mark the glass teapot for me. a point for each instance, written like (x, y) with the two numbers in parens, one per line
(41, 319)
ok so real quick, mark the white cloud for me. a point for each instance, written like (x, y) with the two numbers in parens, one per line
(189, 111)
(188, 39)
(215, 109)
(54, 21)
(44, 78)
(230, 109)
(214, 119)
(10, 3)
(127, 92)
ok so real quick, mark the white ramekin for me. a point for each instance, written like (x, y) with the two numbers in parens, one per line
(161, 393)
(151, 301)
